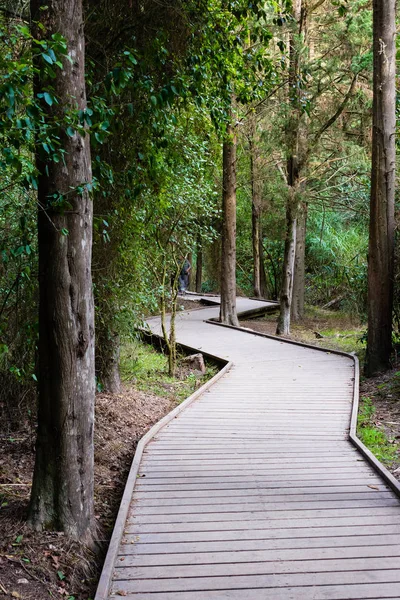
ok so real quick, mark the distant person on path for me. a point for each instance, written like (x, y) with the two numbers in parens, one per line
(183, 282)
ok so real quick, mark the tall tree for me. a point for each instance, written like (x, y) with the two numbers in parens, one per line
(228, 314)
(381, 230)
(62, 492)
(295, 160)
(256, 189)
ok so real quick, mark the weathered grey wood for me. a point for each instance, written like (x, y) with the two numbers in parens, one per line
(254, 492)
(261, 507)
(258, 581)
(251, 524)
(264, 492)
(257, 567)
(263, 557)
(206, 503)
(163, 552)
(370, 591)
(270, 538)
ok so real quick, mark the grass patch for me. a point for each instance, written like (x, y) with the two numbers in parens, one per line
(374, 438)
(339, 330)
(142, 365)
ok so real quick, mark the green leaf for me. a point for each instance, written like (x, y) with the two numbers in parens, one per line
(70, 131)
(60, 575)
(153, 100)
(64, 231)
(48, 58)
(47, 98)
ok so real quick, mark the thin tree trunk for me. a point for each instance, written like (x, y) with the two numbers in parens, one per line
(381, 230)
(255, 207)
(299, 266)
(199, 265)
(283, 327)
(293, 174)
(190, 277)
(62, 491)
(107, 358)
(263, 277)
(228, 314)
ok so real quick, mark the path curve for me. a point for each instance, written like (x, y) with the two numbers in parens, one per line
(254, 491)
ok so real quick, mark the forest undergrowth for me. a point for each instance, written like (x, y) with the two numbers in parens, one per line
(37, 566)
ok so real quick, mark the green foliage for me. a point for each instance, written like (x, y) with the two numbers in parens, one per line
(148, 370)
(375, 439)
(336, 260)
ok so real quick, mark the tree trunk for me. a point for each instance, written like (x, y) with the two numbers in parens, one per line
(255, 207)
(199, 265)
(283, 327)
(381, 229)
(263, 277)
(293, 172)
(299, 265)
(228, 313)
(190, 277)
(107, 359)
(62, 491)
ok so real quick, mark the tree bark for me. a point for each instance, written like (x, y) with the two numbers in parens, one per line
(62, 491)
(263, 277)
(255, 207)
(299, 265)
(293, 172)
(107, 359)
(381, 229)
(283, 327)
(228, 314)
(199, 265)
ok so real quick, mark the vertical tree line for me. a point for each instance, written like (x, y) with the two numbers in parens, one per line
(381, 228)
(62, 491)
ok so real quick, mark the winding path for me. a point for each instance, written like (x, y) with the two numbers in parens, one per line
(254, 491)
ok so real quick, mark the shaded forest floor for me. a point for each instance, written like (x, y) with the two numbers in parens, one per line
(38, 566)
(379, 414)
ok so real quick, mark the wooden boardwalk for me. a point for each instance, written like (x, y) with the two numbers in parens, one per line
(254, 492)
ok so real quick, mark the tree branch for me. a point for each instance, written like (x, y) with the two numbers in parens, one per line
(340, 109)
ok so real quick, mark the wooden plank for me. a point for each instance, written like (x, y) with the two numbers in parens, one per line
(281, 537)
(238, 582)
(262, 557)
(370, 591)
(247, 515)
(249, 467)
(312, 490)
(257, 483)
(262, 507)
(251, 524)
(244, 480)
(267, 500)
(157, 552)
(253, 567)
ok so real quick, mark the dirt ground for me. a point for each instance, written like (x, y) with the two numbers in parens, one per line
(38, 566)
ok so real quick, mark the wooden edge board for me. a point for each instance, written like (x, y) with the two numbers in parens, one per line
(354, 439)
(104, 585)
